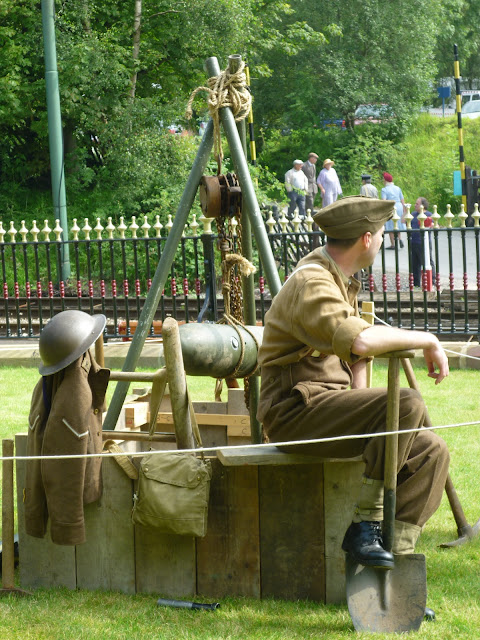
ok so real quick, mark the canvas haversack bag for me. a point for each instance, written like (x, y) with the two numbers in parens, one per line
(173, 491)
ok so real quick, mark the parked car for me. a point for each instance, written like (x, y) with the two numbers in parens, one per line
(175, 128)
(328, 123)
(471, 109)
(373, 113)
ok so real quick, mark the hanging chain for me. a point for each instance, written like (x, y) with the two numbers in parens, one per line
(231, 283)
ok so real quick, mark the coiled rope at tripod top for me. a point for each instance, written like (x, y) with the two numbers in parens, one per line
(225, 90)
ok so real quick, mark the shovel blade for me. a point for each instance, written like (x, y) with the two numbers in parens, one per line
(387, 601)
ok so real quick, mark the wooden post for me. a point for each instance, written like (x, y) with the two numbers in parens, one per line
(177, 384)
(158, 390)
(7, 516)
(391, 451)
(8, 519)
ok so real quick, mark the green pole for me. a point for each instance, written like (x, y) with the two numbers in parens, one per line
(248, 282)
(55, 135)
(158, 283)
(248, 190)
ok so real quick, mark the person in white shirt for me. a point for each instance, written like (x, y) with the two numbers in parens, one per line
(368, 189)
(329, 183)
(296, 184)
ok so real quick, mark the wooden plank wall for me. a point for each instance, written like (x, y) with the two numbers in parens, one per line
(292, 532)
(341, 482)
(107, 560)
(42, 563)
(268, 536)
(228, 558)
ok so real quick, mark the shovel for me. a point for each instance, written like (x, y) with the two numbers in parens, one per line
(379, 600)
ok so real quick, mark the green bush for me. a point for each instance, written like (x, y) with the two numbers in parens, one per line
(421, 155)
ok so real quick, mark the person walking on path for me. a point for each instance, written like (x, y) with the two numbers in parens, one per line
(417, 242)
(310, 171)
(329, 183)
(296, 184)
(368, 189)
(313, 361)
(391, 192)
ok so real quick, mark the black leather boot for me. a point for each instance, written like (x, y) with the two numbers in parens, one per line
(363, 541)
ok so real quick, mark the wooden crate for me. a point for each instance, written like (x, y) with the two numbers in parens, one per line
(273, 531)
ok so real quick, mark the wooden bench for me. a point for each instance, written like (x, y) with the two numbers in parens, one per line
(271, 455)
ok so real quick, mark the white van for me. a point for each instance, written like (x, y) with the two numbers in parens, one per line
(470, 94)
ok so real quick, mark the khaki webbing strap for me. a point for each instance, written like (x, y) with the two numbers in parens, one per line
(121, 458)
(195, 429)
(158, 391)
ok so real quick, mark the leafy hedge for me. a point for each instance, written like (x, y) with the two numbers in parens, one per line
(421, 155)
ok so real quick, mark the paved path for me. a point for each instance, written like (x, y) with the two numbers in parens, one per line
(444, 267)
(456, 268)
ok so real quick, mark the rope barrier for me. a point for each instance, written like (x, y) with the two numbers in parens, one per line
(288, 443)
(225, 90)
(464, 355)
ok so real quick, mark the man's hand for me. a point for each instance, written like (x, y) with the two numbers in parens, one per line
(435, 357)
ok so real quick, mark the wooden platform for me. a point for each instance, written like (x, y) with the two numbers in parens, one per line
(273, 531)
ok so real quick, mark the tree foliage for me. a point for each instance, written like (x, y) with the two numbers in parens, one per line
(309, 60)
(353, 52)
(459, 26)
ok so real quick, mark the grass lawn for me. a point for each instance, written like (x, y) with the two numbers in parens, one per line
(453, 574)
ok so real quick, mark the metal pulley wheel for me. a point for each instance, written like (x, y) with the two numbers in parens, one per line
(220, 195)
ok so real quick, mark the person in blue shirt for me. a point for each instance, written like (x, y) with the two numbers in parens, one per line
(391, 192)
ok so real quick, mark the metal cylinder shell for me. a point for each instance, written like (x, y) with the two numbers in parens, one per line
(215, 350)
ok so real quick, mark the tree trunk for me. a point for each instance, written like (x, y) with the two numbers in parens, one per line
(87, 26)
(136, 44)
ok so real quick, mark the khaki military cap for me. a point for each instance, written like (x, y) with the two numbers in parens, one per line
(350, 217)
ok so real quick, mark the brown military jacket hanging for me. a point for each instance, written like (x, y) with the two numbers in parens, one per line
(65, 418)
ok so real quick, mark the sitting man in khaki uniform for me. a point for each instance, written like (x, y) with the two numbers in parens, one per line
(313, 364)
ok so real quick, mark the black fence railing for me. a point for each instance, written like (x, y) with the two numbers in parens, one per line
(112, 275)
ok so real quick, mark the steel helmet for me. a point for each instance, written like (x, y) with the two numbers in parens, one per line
(65, 337)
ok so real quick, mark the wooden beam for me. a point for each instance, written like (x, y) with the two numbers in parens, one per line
(221, 419)
(270, 455)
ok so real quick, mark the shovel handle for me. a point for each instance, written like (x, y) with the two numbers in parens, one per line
(391, 452)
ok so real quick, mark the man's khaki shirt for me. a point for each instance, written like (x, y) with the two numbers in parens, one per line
(315, 311)
(309, 332)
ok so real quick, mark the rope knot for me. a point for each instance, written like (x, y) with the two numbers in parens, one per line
(245, 266)
(225, 90)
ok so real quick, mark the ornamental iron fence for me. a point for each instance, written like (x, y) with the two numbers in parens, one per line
(429, 280)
